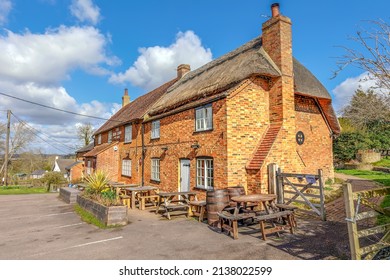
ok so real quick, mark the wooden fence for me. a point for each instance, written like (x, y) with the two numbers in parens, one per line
(375, 236)
(302, 189)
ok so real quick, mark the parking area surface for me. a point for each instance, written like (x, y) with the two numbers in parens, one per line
(44, 227)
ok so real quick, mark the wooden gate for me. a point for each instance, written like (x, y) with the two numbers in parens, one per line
(301, 189)
(376, 237)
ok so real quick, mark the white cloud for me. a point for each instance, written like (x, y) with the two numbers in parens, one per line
(48, 58)
(5, 8)
(85, 11)
(157, 65)
(345, 90)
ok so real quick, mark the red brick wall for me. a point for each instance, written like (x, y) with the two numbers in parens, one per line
(76, 172)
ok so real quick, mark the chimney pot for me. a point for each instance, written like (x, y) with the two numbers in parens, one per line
(275, 9)
(183, 69)
(125, 98)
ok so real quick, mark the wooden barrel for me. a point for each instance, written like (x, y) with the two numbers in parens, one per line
(235, 191)
(216, 201)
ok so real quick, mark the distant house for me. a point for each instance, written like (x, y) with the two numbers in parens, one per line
(37, 174)
(60, 165)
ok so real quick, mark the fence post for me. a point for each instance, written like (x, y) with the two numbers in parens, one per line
(352, 227)
(322, 194)
(279, 187)
(272, 169)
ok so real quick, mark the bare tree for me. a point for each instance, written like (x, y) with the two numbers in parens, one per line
(375, 55)
(84, 133)
(20, 137)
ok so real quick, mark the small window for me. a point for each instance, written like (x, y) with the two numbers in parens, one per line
(89, 169)
(99, 140)
(128, 133)
(204, 118)
(126, 167)
(205, 173)
(109, 136)
(155, 129)
(155, 169)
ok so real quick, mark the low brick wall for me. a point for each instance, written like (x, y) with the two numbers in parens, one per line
(113, 215)
(69, 195)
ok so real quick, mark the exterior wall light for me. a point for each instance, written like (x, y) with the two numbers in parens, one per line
(195, 146)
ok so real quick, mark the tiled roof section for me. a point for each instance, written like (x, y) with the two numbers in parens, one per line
(135, 109)
(86, 148)
(330, 115)
(69, 167)
(63, 163)
(100, 148)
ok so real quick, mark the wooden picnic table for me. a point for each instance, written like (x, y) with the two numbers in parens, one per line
(271, 212)
(118, 187)
(175, 201)
(143, 191)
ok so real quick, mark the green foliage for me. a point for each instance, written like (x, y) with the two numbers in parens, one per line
(347, 144)
(53, 178)
(385, 162)
(97, 182)
(382, 219)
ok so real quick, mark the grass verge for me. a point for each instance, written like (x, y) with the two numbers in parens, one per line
(385, 162)
(377, 176)
(90, 218)
(8, 190)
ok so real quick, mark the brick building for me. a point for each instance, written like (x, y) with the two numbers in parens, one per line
(223, 123)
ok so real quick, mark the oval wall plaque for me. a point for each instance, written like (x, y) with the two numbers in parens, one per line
(300, 137)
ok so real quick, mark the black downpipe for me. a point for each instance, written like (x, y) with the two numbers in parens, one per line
(143, 155)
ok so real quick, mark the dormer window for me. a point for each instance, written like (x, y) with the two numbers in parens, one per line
(155, 129)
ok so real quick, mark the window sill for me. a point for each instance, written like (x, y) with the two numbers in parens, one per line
(155, 181)
(129, 142)
(202, 189)
(205, 130)
(127, 176)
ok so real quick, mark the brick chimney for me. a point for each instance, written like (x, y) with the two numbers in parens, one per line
(277, 42)
(183, 69)
(125, 98)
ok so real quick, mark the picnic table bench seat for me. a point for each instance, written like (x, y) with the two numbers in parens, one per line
(286, 217)
(229, 221)
(152, 199)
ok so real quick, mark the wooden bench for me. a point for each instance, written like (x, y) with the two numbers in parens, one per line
(125, 199)
(229, 221)
(153, 199)
(286, 216)
(292, 208)
(198, 209)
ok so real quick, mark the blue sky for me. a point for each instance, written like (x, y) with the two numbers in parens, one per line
(79, 55)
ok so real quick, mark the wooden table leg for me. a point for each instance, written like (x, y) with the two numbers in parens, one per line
(133, 200)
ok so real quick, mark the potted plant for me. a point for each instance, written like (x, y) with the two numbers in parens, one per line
(101, 201)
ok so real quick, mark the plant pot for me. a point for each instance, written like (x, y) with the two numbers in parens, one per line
(110, 216)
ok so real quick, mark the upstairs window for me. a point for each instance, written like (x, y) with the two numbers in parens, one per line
(109, 136)
(205, 173)
(155, 129)
(128, 133)
(126, 167)
(204, 118)
(99, 140)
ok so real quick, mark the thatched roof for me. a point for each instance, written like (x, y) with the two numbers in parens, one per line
(136, 109)
(218, 75)
(227, 71)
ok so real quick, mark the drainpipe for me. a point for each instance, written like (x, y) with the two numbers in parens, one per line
(143, 154)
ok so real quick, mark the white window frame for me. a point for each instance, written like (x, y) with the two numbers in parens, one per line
(109, 136)
(155, 169)
(89, 167)
(99, 140)
(155, 131)
(205, 173)
(126, 167)
(128, 133)
(204, 118)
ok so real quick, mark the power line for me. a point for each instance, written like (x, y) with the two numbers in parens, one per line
(35, 132)
(57, 109)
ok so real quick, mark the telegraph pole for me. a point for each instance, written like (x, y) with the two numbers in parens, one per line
(7, 148)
